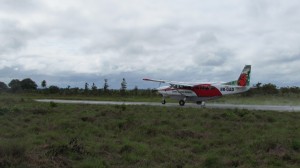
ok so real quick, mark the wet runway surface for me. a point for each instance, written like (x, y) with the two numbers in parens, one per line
(208, 105)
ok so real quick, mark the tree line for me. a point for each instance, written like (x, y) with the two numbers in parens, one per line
(16, 85)
(28, 85)
(272, 89)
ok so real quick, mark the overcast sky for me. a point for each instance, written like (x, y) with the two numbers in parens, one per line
(71, 42)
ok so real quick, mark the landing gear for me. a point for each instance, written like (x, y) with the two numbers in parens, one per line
(181, 102)
(201, 103)
(163, 101)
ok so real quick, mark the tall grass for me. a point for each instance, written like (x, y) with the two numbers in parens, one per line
(69, 135)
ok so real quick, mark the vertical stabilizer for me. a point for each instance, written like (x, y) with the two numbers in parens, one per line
(244, 79)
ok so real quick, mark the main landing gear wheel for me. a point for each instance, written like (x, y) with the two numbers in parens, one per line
(201, 103)
(181, 102)
(163, 101)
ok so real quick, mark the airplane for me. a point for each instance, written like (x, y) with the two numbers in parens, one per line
(202, 91)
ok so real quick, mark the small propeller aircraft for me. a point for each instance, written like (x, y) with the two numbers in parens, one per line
(200, 92)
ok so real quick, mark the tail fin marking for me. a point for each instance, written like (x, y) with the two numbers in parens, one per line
(244, 79)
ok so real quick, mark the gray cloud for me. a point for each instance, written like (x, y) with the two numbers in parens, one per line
(13, 36)
(16, 6)
(191, 40)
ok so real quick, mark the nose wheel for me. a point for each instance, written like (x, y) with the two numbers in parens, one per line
(181, 102)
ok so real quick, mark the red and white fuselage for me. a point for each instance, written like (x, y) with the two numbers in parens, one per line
(199, 92)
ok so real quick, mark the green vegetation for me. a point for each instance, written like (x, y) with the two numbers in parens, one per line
(68, 135)
(263, 94)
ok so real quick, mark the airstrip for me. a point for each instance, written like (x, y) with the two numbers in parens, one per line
(191, 105)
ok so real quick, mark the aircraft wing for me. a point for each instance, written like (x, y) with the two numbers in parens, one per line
(155, 80)
(169, 82)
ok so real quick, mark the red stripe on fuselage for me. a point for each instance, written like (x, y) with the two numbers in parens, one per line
(203, 90)
(206, 90)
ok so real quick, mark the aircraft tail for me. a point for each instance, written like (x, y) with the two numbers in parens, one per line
(244, 78)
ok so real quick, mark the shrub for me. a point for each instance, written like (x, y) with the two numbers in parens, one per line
(52, 104)
(212, 161)
(53, 89)
(296, 145)
(41, 111)
(4, 110)
(12, 154)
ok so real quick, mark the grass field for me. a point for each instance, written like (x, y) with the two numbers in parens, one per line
(292, 99)
(67, 135)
